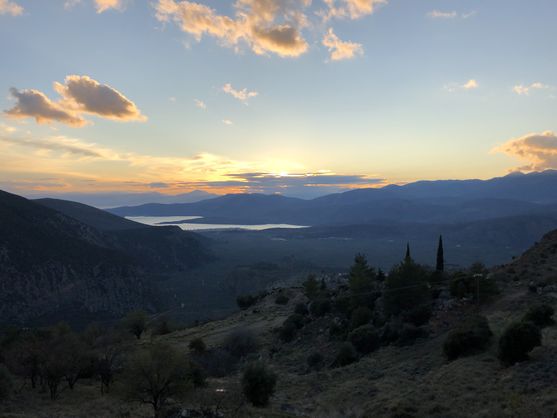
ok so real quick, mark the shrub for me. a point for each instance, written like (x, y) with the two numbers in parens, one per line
(245, 301)
(418, 316)
(517, 341)
(391, 331)
(282, 299)
(540, 315)
(162, 326)
(311, 287)
(197, 345)
(301, 309)
(288, 331)
(320, 307)
(338, 331)
(240, 343)
(196, 375)
(136, 323)
(469, 337)
(346, 355)
(360, 316)
(217, 362)
(6, 382)
(365, 339)
(362, 280)
(409, 333)
(297, 320)
(466, 284)
(258, 384)
(315, 361)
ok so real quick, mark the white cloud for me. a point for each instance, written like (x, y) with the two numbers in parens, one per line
(537, 150)
(200, 104)
(8, 7)
(341, 50)
(352, 9)
(525, 90)
(471, 84)
(227, 122)
(242, 95)
(104, 5)
(438, 14)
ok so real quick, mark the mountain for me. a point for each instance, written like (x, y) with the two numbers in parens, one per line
(66, 260)
(425, 201)
(103, 200)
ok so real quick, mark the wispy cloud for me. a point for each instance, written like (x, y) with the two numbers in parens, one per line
(242, 95)
(450, 14)
(471, 84)
(227, 122)
(80, 95)
(537, 150)
(525, 90)
(351, 9)
(11, 8)
(104, 5)
(341, 50)
(200, 104)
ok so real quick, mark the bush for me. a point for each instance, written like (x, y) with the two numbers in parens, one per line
(296, 319)
(136, 323)
(240, 343)
(217, 362)
(391, 331)
(418, 316)
(540, 315)
(288, 331)
(365, 339)
(346, 355)
(245, 301)
(338, 331)
(517, 341)
(469, 337)
(162, 326)
(197, 346)
(311, 287)
(301, 309)
(315, 361)
(6, 382)
(282, 299)
(360, 316)
(320, 307)
(258, 384)
(196, 375)
(465, 285)
(409, 333)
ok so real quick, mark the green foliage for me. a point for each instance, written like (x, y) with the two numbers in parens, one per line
(240, 343)
(338, 331)
(196, 375)
(136, 323)
(517, 341)
(155, 374)
(465, 284)
(471, 336)
(320, 307)
(297, 320)
(6, 382)
(362, 281)
(360, 316)
(365, 339)
(409, 333)
(258, 384)
(406, 287)
(197, 345)
(315, 361)
(245, 301)
(540, 315)
(346, 355)
(311, 287)
(282, 299)
(417, 316)
(162, 326)
(287, 331)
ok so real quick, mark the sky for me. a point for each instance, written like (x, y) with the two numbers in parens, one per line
(302, 97)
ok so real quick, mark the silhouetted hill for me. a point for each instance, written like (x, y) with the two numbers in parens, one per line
(424, 201)
(84, 262)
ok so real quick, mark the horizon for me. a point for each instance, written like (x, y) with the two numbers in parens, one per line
(316, 97)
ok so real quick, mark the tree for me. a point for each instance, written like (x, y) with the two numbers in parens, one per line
(136, 323)
(365, 339)
(471, 336)
(108, 361)
(197, 345)
(155, 374)
(540, 315)
(346, 355)
(74, 353)
(6, 382)
(517, 341)
(407, 256)
(362, 280)
(440, 266)
(53, 367)
(311, 286)
(258, 384)
(406, 287)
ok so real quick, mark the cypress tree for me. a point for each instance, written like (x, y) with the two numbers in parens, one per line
(440, 267)
(407, 257)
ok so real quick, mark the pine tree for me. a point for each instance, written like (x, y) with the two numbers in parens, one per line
(440, 256)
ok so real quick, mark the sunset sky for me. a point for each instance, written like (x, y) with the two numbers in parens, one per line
(299, 97)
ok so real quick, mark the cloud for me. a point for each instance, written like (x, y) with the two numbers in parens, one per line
(35, 104)
(438, 14)
(341, 50)
(104, 5)
(538, 150)
(200, 104)
(227, 122)
(352, 9)
(62, 144)
(471, 84)
(8, 7)
(523, 90)
(79, 95)
(242, 95)
(265, 26)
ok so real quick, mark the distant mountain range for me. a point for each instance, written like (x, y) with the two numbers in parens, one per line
(444, 201)
(69, 261)
(111, 199)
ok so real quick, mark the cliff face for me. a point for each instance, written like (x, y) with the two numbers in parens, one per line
(55, 267)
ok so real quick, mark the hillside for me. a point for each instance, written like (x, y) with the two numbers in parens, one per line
(82, 261)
